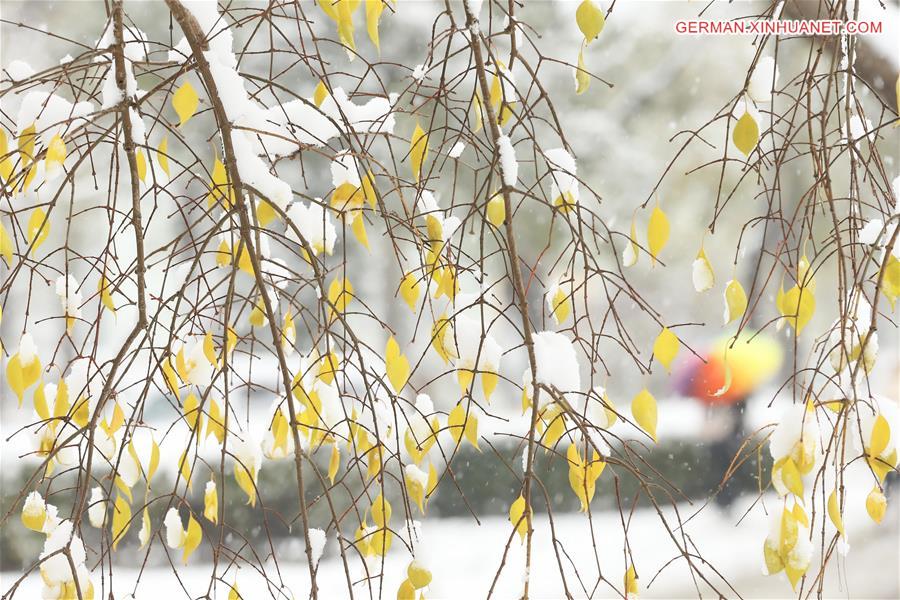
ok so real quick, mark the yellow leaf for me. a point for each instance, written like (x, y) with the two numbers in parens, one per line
(374, 9)
(246, 480)
(40, 401)
(448, 284)
(185, 102)
(590, 20)
(415, 489)
(233, 593)
(797, 306)
(223, 254)
(6, 166)
(334, 463)
(144, 533)
(418, 151)
(774, 562)
(631, 583)
(257, 313)
(265, 214)
(442, 339)
(154, 461)
(16, 378)
(582, 77)
(162, 154)
(397, 365)
(881, 435)
(418, 575)
(409, 290)
(890, 282)
(26, 142)
(121, 520)
(105, 296)
(345, 9)
(141, 161)
(518, 518)
(630, 254)
(169, 375)
(211, 502)
(476, 109)
(461, 424)
(657, 232)
(56, 153)
(320, 93)
(215, 422)
(790, 475)
(496, 210)
(192, 411)
(368, 188)
(38, 228)
(6, 245)
(746, 134)
(381, 511)
(432, 478)
(735, 301)
(192, 539)
(209, 349)
(643, 408)
(358, 227)
(340, 293)
(556, 426)
(184, 468)
(219, 188)
(375, 460)
(561, 306)
(407, 590)
(34, 515)
(489, 381)
(876, 504)
(665, 348)
(230, 341)
(834, 512)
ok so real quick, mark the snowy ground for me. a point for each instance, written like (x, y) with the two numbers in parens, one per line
(464, 558)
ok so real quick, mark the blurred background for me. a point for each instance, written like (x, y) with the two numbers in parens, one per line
(624, 136)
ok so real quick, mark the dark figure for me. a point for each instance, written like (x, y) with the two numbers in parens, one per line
(725, 380)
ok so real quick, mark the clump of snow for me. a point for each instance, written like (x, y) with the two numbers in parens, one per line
(317, 541)
(97, 510)
(477, 351)
(417, 475)
(19, 70)
(457, 150)
(419, 72)
(27, 349)
(375, 116)
(563, 171)
(34, 504)
(763, 80)
(701, 274)
(50, 114)
(858, 129)
(255, 173)
(138, 129)
(871, 233)
(56, 568)
(557, 361)
(509, 167)
(895, 185)
(314, 224)
(174, 529)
